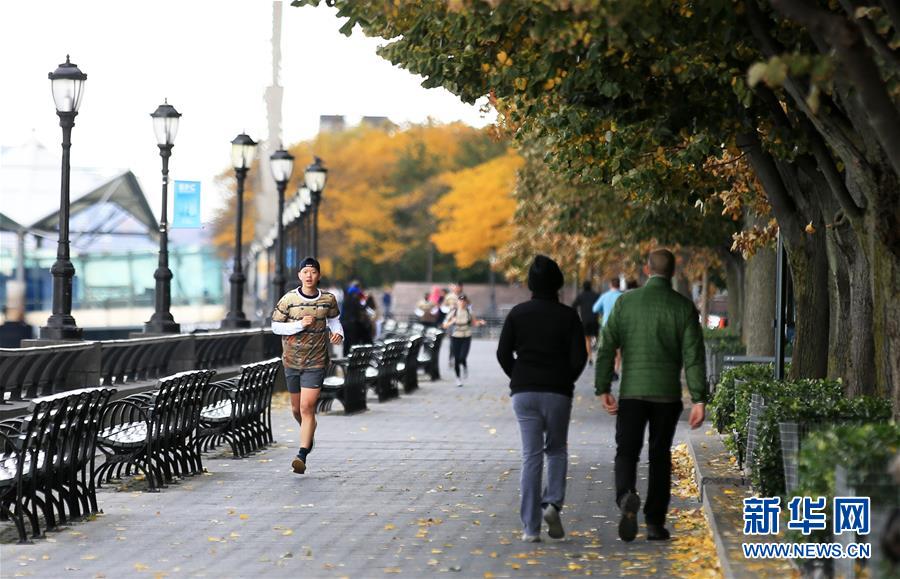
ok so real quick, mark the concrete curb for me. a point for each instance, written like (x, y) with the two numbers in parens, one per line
(722, 491)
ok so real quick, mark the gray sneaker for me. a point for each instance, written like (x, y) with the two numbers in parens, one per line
(551, 517)
(531, 538)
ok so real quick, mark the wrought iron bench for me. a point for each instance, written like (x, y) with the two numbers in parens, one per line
(239, 410)
(47, 459)
(153, 432)
(429, 356)
(408, 368)
(385, 362)
(350, 388)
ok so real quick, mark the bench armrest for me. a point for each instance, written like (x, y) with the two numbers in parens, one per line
(12, 426)
(123, 411)
(216, 392)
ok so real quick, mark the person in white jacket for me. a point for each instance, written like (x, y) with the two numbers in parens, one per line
(307, 319)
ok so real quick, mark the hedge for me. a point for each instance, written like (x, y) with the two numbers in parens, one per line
(810, 401)
(863, 450)
(723, 341)
(786, 401)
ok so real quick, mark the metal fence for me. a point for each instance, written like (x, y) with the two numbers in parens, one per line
(27, 373)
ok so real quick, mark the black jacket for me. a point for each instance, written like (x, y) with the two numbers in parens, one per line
(584, 304)
(547, 339)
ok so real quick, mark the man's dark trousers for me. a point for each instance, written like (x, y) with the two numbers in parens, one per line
(631, 421)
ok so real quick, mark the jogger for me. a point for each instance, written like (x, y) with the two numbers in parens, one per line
(462, 319)
(304, 317)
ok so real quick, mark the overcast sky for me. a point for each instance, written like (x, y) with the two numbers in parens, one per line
(212, 60)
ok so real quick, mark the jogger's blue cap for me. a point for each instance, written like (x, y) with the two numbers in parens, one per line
(310, 262)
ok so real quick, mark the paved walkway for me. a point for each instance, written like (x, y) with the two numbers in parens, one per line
(425, 484)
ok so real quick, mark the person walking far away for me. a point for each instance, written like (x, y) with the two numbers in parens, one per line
(604, 304)
(387, 301)
(447, 304)
(305, 317)
(603, 307)
(352, 313)
(541, 349)
(462, 319)
(658, 332)
(584, 304)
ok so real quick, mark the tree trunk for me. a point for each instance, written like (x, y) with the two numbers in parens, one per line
(734, 284)
(852, 349)
(885, 284)
(809, 272)
(839, 328)
(759, 310)
(704, 299)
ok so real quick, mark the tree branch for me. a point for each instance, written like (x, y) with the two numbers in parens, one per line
(783, 204)
(823, 160)
(875, 40)
(726, 163)
(826, 165)
(892, 7)
(860, 69)
(835, 131)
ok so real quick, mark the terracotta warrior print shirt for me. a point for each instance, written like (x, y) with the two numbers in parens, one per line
(307, 349)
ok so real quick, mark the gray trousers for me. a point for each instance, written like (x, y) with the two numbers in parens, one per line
(544, 425)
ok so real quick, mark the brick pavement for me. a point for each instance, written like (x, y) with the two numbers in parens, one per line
(425, 484)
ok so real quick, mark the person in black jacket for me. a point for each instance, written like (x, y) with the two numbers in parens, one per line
(542, 350)
(584, 304)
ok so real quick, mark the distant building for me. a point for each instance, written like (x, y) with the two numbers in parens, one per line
(338, 123)
(377, 123)
(332, 123)
(113, 236)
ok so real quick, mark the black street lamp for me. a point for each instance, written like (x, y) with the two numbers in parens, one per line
(165, 125)
(282, 164)
(305, 227)
(67, 84)
(315, 177)
(243, 148)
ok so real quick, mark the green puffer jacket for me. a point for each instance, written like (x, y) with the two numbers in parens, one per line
(658, 330)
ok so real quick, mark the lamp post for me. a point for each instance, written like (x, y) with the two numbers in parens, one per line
(306, 227)
(67, 84)
(165, 125)
(243, 149)
(282, 164)
(315, 177)
(298, 216)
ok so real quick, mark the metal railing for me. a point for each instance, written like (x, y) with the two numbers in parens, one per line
(27, 373)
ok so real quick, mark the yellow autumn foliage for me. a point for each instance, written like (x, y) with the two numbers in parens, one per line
(372, 175)
(476, 215)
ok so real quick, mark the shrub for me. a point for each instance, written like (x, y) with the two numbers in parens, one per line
(722, 403)
(863, 450)
(804, 401)
(725, 342)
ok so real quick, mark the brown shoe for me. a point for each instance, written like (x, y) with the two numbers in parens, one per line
(298, 465)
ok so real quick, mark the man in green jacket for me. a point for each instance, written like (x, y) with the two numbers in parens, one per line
(658, 332)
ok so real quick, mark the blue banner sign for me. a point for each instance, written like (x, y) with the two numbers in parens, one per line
(186, 214)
